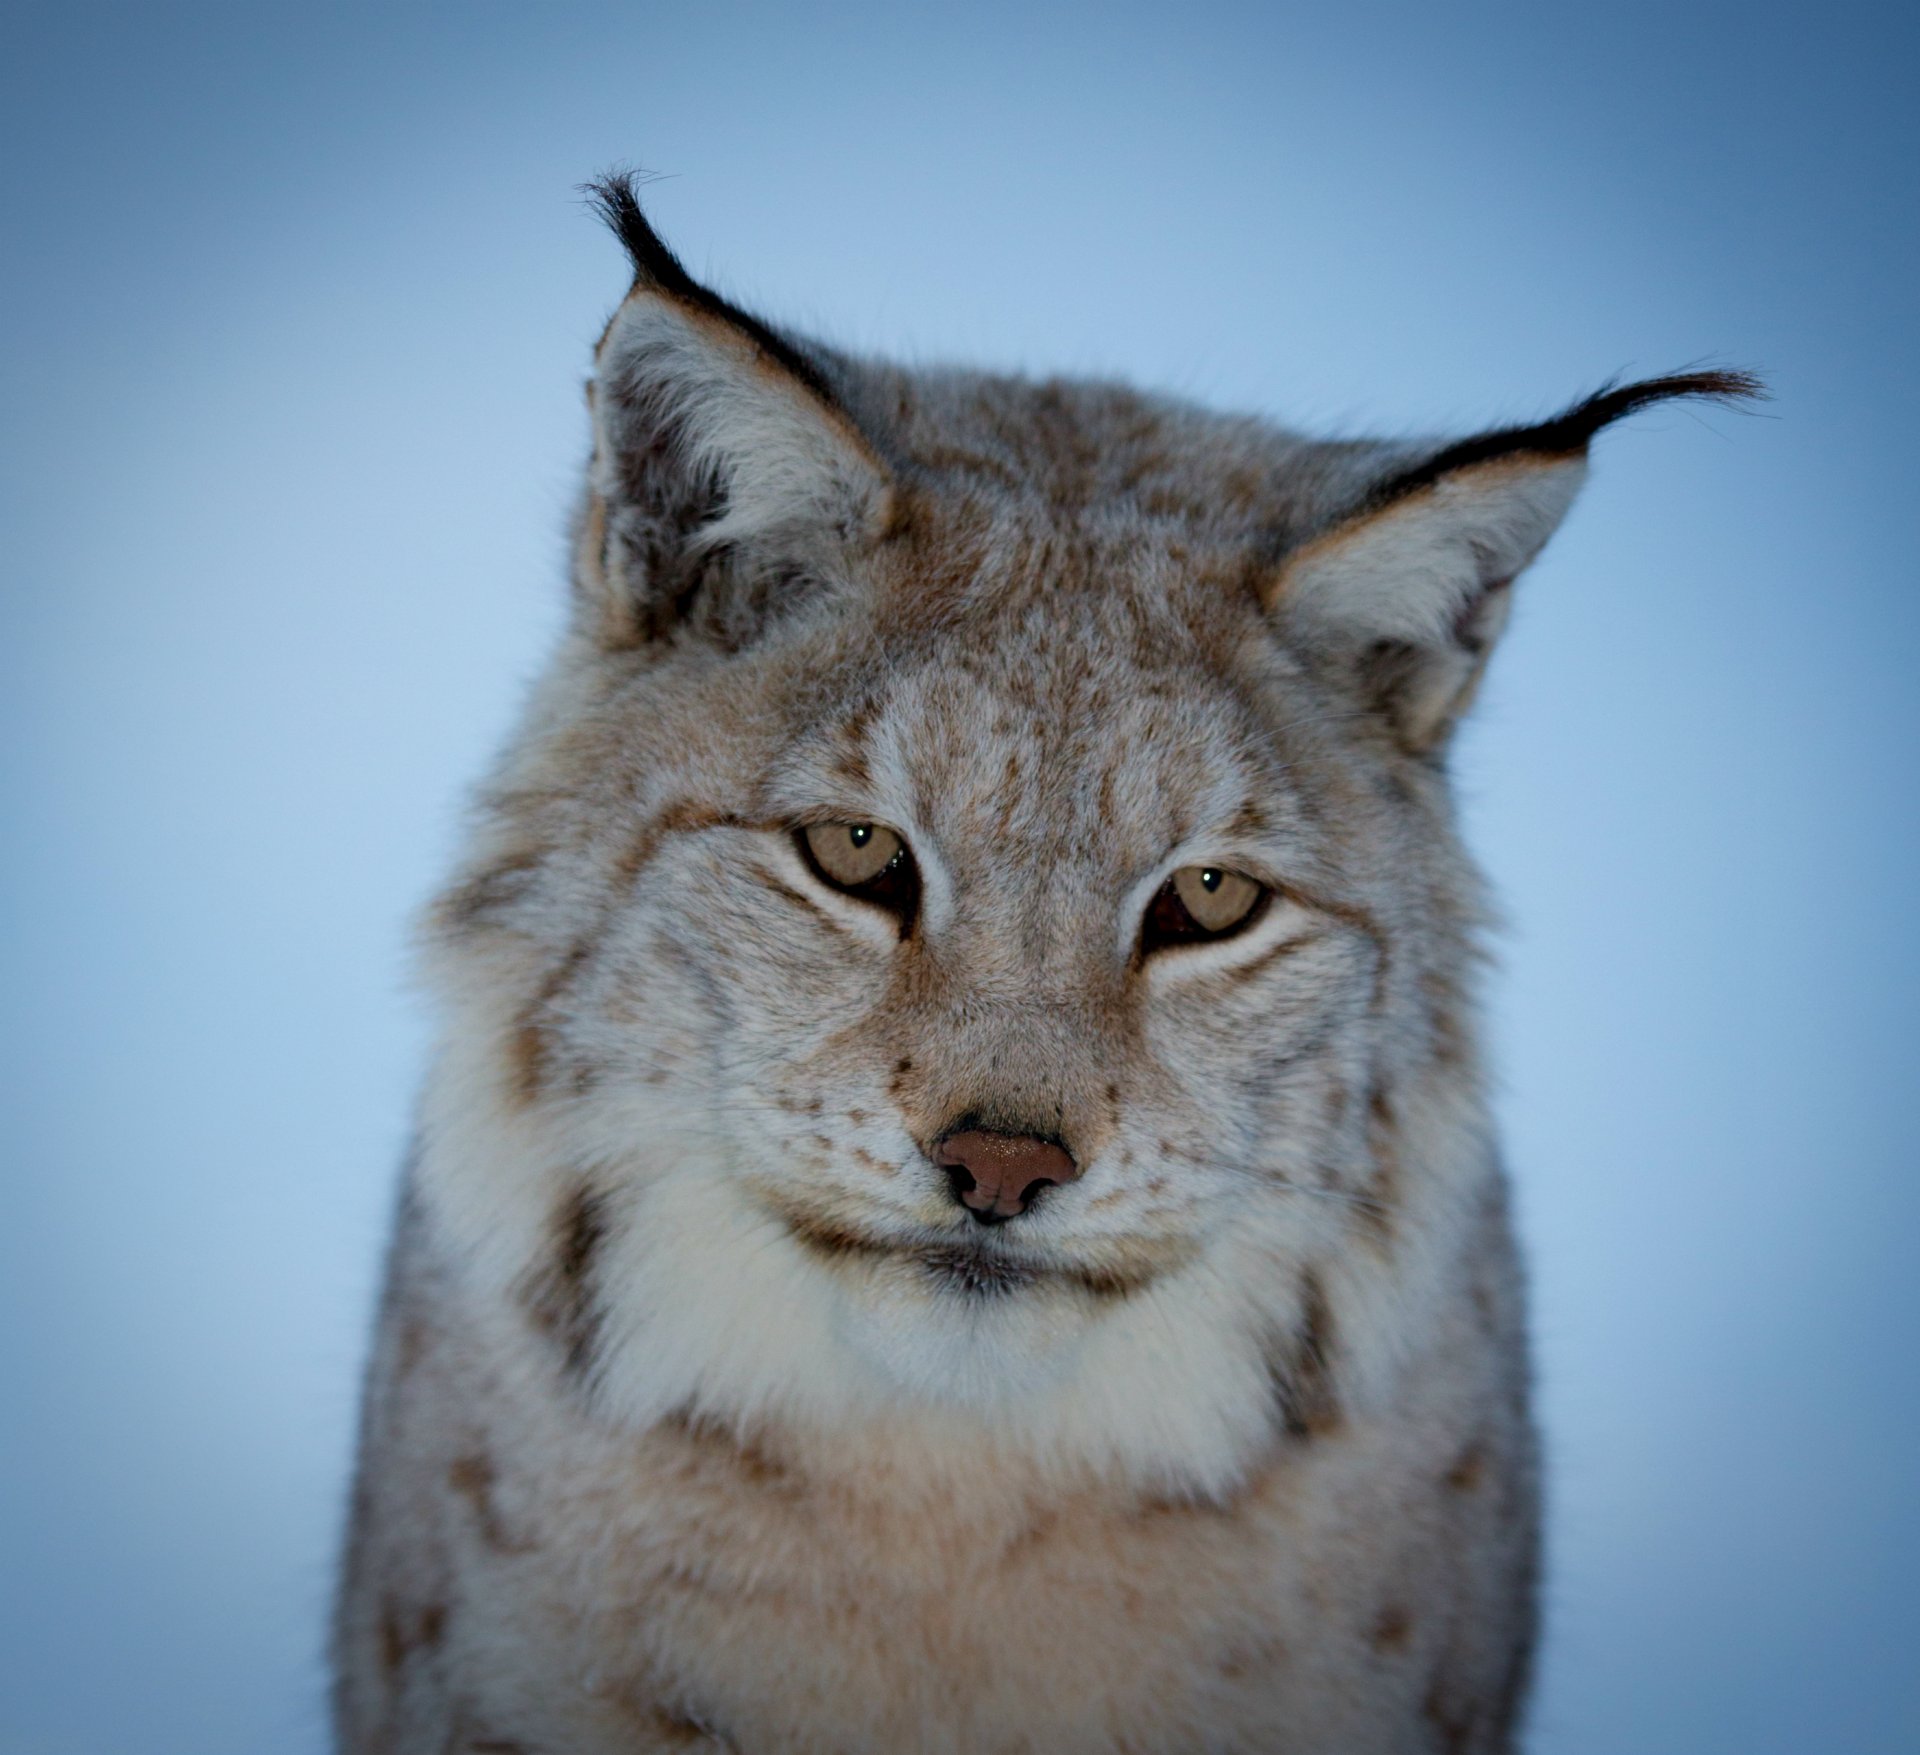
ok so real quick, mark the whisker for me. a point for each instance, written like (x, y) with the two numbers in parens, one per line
(1266, 1176)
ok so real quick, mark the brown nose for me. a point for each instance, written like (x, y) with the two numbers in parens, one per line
(998, 1175)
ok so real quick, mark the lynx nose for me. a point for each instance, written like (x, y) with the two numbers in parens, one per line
(998, 1175)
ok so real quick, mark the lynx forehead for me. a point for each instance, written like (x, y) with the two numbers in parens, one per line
(955, 1208)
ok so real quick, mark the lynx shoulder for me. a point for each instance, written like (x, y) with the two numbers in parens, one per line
(955, 1207)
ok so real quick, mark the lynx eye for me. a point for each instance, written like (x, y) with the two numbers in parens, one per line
(864, 860)
(1202, 902)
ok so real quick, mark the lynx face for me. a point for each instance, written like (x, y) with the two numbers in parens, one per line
(971, 922)
(1043, 790)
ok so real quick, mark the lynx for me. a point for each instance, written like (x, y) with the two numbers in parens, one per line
(955, 1208)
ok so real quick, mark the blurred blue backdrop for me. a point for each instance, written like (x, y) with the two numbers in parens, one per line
(298, 308)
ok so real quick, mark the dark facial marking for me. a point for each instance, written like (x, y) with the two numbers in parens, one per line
(1254, 1657)
(472, 1476)
(719, 1443)
(531, 1047)
(679, 1732)
(830, 1241)
(1451, 1721)
(1391, 1629)
(974, 1273)
(850, 755)
(393, 1639)
(964, 1268)
(402, 1635)
(1271, 955)
(412, 1347)
(1385, 1187)
(484, 897)
(788, 894)
(1467, 1470)
(560, 1298)
(1300, 1368)
(1447, 1015)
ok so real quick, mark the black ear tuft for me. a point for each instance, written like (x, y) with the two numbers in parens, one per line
(1614, 400)
(1405, 588)
(612, 196)
(728, 480)
(1566, 435)
(657, 269)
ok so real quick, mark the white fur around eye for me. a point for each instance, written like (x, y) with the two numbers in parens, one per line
(851, 853)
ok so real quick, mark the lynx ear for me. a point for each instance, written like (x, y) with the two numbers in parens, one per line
(725, 471)
(1407, 587)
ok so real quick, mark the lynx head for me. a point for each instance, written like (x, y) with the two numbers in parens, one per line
(971, 928)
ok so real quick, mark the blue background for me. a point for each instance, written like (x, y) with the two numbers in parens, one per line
(296, 308)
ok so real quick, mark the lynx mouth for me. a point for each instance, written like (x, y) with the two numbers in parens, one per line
(970, 1268)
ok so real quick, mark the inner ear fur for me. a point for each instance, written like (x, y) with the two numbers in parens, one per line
(1407, 587)
(727, 478)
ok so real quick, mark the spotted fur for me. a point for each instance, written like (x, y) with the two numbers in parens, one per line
(702, 1415)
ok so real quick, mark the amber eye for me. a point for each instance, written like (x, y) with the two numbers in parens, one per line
(864, 860)
(1202, 902)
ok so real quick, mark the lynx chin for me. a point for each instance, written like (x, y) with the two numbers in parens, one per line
(955, 1209)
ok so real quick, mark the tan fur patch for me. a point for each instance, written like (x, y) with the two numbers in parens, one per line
(1467, 1470)
(1385, 1187)
(473, 1478)
(405, 1633)
(559, 1295)
(1392, 1629)
(1300, 1368)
